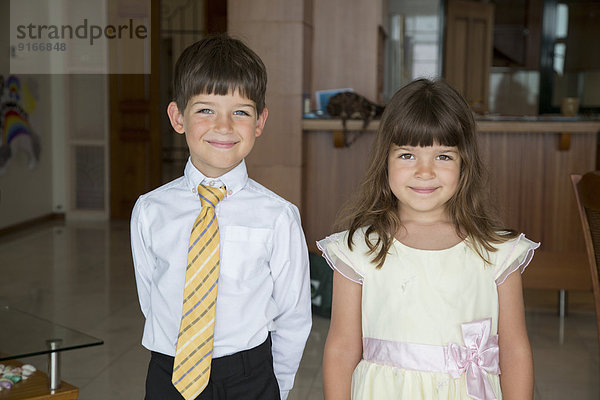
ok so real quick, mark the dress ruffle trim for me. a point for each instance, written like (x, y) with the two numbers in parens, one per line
(522, 260)
(334, 249)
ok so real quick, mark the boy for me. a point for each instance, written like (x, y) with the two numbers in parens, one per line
(215, 222)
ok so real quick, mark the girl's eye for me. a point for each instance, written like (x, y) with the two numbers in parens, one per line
(444, 157)
(406, 156)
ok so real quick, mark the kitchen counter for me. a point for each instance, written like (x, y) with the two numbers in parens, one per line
(490, 123)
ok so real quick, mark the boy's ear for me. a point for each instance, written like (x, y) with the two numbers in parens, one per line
(260, 123)
(175, 117)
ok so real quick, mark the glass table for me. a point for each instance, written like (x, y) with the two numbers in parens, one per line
(25, 335)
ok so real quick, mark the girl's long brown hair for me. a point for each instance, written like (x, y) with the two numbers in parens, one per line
(424, 113)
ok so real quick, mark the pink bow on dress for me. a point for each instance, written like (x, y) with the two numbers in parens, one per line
(480, 355)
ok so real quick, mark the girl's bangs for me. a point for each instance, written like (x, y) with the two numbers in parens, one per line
(426, 129)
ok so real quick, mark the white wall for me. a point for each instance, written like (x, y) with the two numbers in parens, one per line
(27, 194)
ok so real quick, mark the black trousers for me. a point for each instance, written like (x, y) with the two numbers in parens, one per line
(246, 375)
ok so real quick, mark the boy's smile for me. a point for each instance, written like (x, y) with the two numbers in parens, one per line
(219, 130)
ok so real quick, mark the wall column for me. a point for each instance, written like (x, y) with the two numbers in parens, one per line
(280, 32)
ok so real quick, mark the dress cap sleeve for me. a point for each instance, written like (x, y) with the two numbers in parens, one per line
(340, 257)
(513, 255)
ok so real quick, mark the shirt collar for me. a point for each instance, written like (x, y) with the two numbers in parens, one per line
(234, 180)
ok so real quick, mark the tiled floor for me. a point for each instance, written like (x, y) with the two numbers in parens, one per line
(80, 275)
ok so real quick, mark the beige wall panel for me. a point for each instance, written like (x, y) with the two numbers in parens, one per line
(281, 141)
(281, 179)
(307, 57)
(331, 177)
(282, 57)
(265, 10)
(276, 31)
(345, 45)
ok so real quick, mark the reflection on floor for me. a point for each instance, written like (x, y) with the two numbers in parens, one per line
(80, 275)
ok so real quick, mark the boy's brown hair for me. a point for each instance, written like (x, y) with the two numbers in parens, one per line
(219, 64)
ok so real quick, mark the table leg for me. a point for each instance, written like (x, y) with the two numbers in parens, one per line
(562, 303)
(54, 364)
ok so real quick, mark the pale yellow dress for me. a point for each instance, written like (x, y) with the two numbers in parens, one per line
(414, 308)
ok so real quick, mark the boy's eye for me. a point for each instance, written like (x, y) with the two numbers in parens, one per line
(406, 156)
(241, 112)
(204, 111)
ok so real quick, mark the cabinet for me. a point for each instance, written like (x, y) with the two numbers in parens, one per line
(468, 50)
(517, 33)
(583, 28)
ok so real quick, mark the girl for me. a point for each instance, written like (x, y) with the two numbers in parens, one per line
(425, 301)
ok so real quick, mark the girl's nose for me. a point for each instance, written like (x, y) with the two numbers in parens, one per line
(425, 170)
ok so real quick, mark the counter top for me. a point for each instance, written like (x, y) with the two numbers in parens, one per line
(539, 124)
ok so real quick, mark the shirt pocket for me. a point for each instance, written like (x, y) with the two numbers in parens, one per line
(245, 252)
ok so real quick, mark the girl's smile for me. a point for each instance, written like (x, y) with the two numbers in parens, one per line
(423, 190)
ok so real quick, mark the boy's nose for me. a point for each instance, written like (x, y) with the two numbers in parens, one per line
(223, 124)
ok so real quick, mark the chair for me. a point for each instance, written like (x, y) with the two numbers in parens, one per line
(587, 194)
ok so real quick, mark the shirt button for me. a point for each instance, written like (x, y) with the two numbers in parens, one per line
(193, 190)
(229, 192)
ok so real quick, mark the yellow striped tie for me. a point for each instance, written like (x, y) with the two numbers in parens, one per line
(191, 368)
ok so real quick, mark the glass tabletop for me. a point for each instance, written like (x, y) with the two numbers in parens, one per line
(25, 335)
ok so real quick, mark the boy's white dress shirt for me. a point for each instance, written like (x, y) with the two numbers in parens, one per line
(264, 282)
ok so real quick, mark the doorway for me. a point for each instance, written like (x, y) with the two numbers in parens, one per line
(145, 151)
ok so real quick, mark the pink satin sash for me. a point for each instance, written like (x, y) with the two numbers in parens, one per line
(479, 356)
